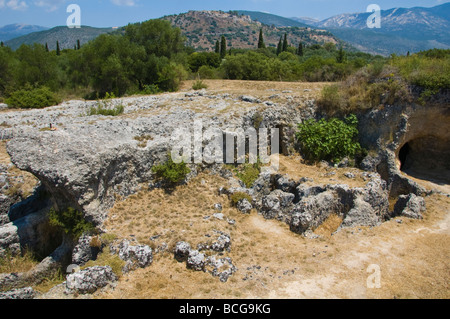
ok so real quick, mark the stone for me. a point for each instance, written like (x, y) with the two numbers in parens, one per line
(181, 251)
(196, 261)
(89, 280)
(223, 243)
(18, 294)
(244, 206)
(84, 251)
(218, 207)
(220, 267)
(410, 206)
(138, 256)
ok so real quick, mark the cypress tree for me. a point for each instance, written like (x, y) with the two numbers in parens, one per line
(280, 46)
(340, 58)
(2, 44)
(261, 44)
(58, 50)
(217, 49)
(300, 49)
(223, 47)
(285, 43)
(46, 47)
(78, 44)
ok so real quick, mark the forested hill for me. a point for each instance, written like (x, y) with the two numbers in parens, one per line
(203, 28)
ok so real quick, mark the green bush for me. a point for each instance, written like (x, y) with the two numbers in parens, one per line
(198, 85)
(329, 140)
(170, 172)
(29, 98)
(71, 221)
(104, 108)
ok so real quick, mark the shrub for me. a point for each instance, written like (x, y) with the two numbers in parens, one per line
(238, 196)
(329, 140)
(71, 221)
(249, 173)
(198, 85)
(170, 172)
(104, 108)
(29, 98)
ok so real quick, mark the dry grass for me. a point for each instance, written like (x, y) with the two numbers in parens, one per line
(272, 261)
(294, 167)
(21, 263)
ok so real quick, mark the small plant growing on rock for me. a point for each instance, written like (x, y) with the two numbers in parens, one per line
(170, 172)
(238, 196)
(71, 221)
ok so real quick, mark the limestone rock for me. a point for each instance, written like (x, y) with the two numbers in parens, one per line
(181, 252)
(244, 206)
(89, 280)
(410, 206)
(83, 251)
(16, 294)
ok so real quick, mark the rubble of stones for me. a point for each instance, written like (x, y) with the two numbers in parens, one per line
(199, 260)
(304, 206)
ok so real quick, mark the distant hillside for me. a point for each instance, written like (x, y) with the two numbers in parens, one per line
(204, 28)
(271, 19)
(67, 37)
(12, 31)
(402, 29)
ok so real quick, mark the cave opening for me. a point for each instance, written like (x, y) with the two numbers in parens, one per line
(403, 155)
(427, 158)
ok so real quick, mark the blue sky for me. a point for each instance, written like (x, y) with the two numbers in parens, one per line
(109, 13)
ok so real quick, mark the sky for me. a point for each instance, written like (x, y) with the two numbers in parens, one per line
(110, 13)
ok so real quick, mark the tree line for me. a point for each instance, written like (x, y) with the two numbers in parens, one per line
(151, 57)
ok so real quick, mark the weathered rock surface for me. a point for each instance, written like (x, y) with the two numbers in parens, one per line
(84, 251)
(135, 256)
(16, 294)
(89, 280)
(411, 206)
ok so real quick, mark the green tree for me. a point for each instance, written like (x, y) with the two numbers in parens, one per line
(78, 44)
(223, 47)
(341, 56)
(2, 44)
(280, 46)
(285, 43)
(217, 48)
(58, 50)
(261, 44)
(300, 49)
(157, 37)
(46, 47)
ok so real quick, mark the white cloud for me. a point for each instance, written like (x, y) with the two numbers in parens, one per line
(13, 4)
(128, 3)
(50, 5)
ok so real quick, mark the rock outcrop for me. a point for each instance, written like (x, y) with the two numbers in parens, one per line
(89, 280)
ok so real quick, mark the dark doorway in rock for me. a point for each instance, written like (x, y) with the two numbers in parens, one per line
(403, 155)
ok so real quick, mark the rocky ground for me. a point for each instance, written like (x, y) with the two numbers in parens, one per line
(306, 231)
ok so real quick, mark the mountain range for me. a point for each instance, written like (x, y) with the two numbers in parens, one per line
(402, 30)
